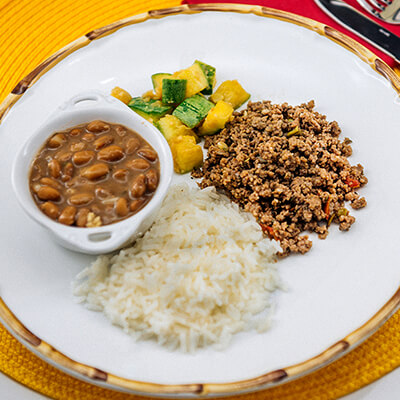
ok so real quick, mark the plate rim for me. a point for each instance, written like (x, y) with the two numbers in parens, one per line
(271, 378)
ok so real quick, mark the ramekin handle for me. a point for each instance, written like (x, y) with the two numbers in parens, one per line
(88, 99)
(100, 240)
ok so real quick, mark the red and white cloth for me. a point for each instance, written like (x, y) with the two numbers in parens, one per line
(308, 8)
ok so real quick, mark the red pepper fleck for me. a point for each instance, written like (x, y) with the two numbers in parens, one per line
(326, 208)
(269, 231)
(353, 183)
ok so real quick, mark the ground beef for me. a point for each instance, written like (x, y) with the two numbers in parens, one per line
(287, 166)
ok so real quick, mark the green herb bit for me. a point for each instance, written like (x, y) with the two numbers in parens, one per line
(293, 132)
(222, 146)
(342, 211)
(331, 219)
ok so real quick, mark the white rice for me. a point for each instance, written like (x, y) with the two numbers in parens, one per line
(202, 273)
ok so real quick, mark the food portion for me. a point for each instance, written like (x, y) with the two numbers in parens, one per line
(216, 119)
(206, 268)
(193, 110)
(183, 94)
(94, 174)
(287, 166)
(230, 92)
(203, 272)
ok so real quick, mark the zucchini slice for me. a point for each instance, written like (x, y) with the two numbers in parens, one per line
(171, 128)
(173, 91)
(157, 79)
(152, 110)
(196, 79)
(186, 154)
(150, 95)
(216, 118)
(209, 72)
(193, 110)
(231, 92)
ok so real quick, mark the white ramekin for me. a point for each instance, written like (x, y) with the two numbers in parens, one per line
(84, 108)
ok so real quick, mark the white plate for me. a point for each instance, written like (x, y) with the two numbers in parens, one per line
(333, 290)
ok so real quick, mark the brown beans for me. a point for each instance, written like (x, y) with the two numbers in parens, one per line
(151, 180)
(54, 168)
(48, 193)
(83, 157)
(75, 181)
(103, 141)
(138, 163)
(111, 153)
(81, 199)
(70, 191)
(50, 182)
(63, 157)
(50, 209)
(56, 141)
(120, 175)
(88, 137)
(96, 209)
(102, 193)
(132, 145)
(68, 171)
(138, 186)
(97, 126)
(75, 132)
(121, 131)
(147, 153)
(67, 216)
(95, 171)
(81, 217)
(121, 207)
(77, 146)
(37, 172)
(136, 204)
(93, 174)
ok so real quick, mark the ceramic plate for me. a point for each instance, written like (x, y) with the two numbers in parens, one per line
(337, 294)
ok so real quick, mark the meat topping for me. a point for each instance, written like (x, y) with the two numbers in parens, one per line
(286, 165)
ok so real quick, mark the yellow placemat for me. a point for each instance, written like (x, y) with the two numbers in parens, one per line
(31, 31)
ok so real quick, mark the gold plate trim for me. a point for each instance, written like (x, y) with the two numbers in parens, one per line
(272, 378)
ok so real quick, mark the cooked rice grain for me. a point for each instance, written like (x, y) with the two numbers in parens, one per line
(202, 273)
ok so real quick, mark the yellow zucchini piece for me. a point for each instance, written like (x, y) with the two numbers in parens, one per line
(216, 119)
(231, 92)
(171, 128)
(196, 79)
(157, 83)
(150, 95)
(121, 94)
(186, 154)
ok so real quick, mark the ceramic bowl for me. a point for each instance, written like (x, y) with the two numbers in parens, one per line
(82, 109)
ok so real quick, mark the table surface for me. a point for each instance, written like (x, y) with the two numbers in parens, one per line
(387, 388)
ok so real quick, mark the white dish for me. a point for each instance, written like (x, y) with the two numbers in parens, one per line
(338, 293)
(82, 108)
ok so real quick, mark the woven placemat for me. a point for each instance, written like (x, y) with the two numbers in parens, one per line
(48, 25)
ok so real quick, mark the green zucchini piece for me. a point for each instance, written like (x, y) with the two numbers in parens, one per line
(209, 72)
(157, 80)
(173, 91)
(151, 109)
(193, 110)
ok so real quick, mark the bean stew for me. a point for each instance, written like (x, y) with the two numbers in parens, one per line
(94, 174)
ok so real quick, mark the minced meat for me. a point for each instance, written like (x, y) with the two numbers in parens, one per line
(287, 166)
